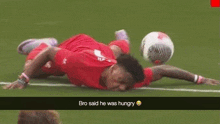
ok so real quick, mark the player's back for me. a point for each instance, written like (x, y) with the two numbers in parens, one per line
(81, 42)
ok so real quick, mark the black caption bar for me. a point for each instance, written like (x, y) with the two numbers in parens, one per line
(110, 103)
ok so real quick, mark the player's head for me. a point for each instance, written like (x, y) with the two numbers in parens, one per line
(124, 74)
(38, 117)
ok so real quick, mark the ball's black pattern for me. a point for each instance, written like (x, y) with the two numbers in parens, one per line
(159, 52)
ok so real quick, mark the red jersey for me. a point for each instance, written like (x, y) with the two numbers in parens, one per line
(82, 42)
(84, 68)
(74, 44)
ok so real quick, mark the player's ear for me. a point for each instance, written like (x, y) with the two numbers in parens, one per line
(112, 68)
(116, 69)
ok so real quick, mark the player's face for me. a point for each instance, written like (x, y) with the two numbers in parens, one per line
(117, 79)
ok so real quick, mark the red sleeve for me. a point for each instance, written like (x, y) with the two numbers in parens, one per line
(148, 78)
(122, 44)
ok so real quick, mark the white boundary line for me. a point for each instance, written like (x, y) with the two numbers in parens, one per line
(44, 84)
(183, 90)
(142, 88)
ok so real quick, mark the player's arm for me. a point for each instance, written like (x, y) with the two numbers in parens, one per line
(177, 73)
(46, 55)
(42, 58)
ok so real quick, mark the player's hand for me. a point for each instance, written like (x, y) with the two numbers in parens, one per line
(210, 81)
(14, 85)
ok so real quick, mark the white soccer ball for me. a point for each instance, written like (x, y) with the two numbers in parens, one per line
(157, 48)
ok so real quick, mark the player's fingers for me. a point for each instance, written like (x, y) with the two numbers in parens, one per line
(211, 82)
(4, 87)
(214, 82)
(217, 82)
(13, 86)
(7, 86)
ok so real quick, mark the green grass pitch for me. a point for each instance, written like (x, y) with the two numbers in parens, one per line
(192, 25)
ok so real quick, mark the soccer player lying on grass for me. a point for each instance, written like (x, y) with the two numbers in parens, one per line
(84, 61)
(112, 78)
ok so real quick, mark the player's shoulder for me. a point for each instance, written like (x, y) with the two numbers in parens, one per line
(94, 55)
(119, 43)
(97, 54)
(84, 36)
